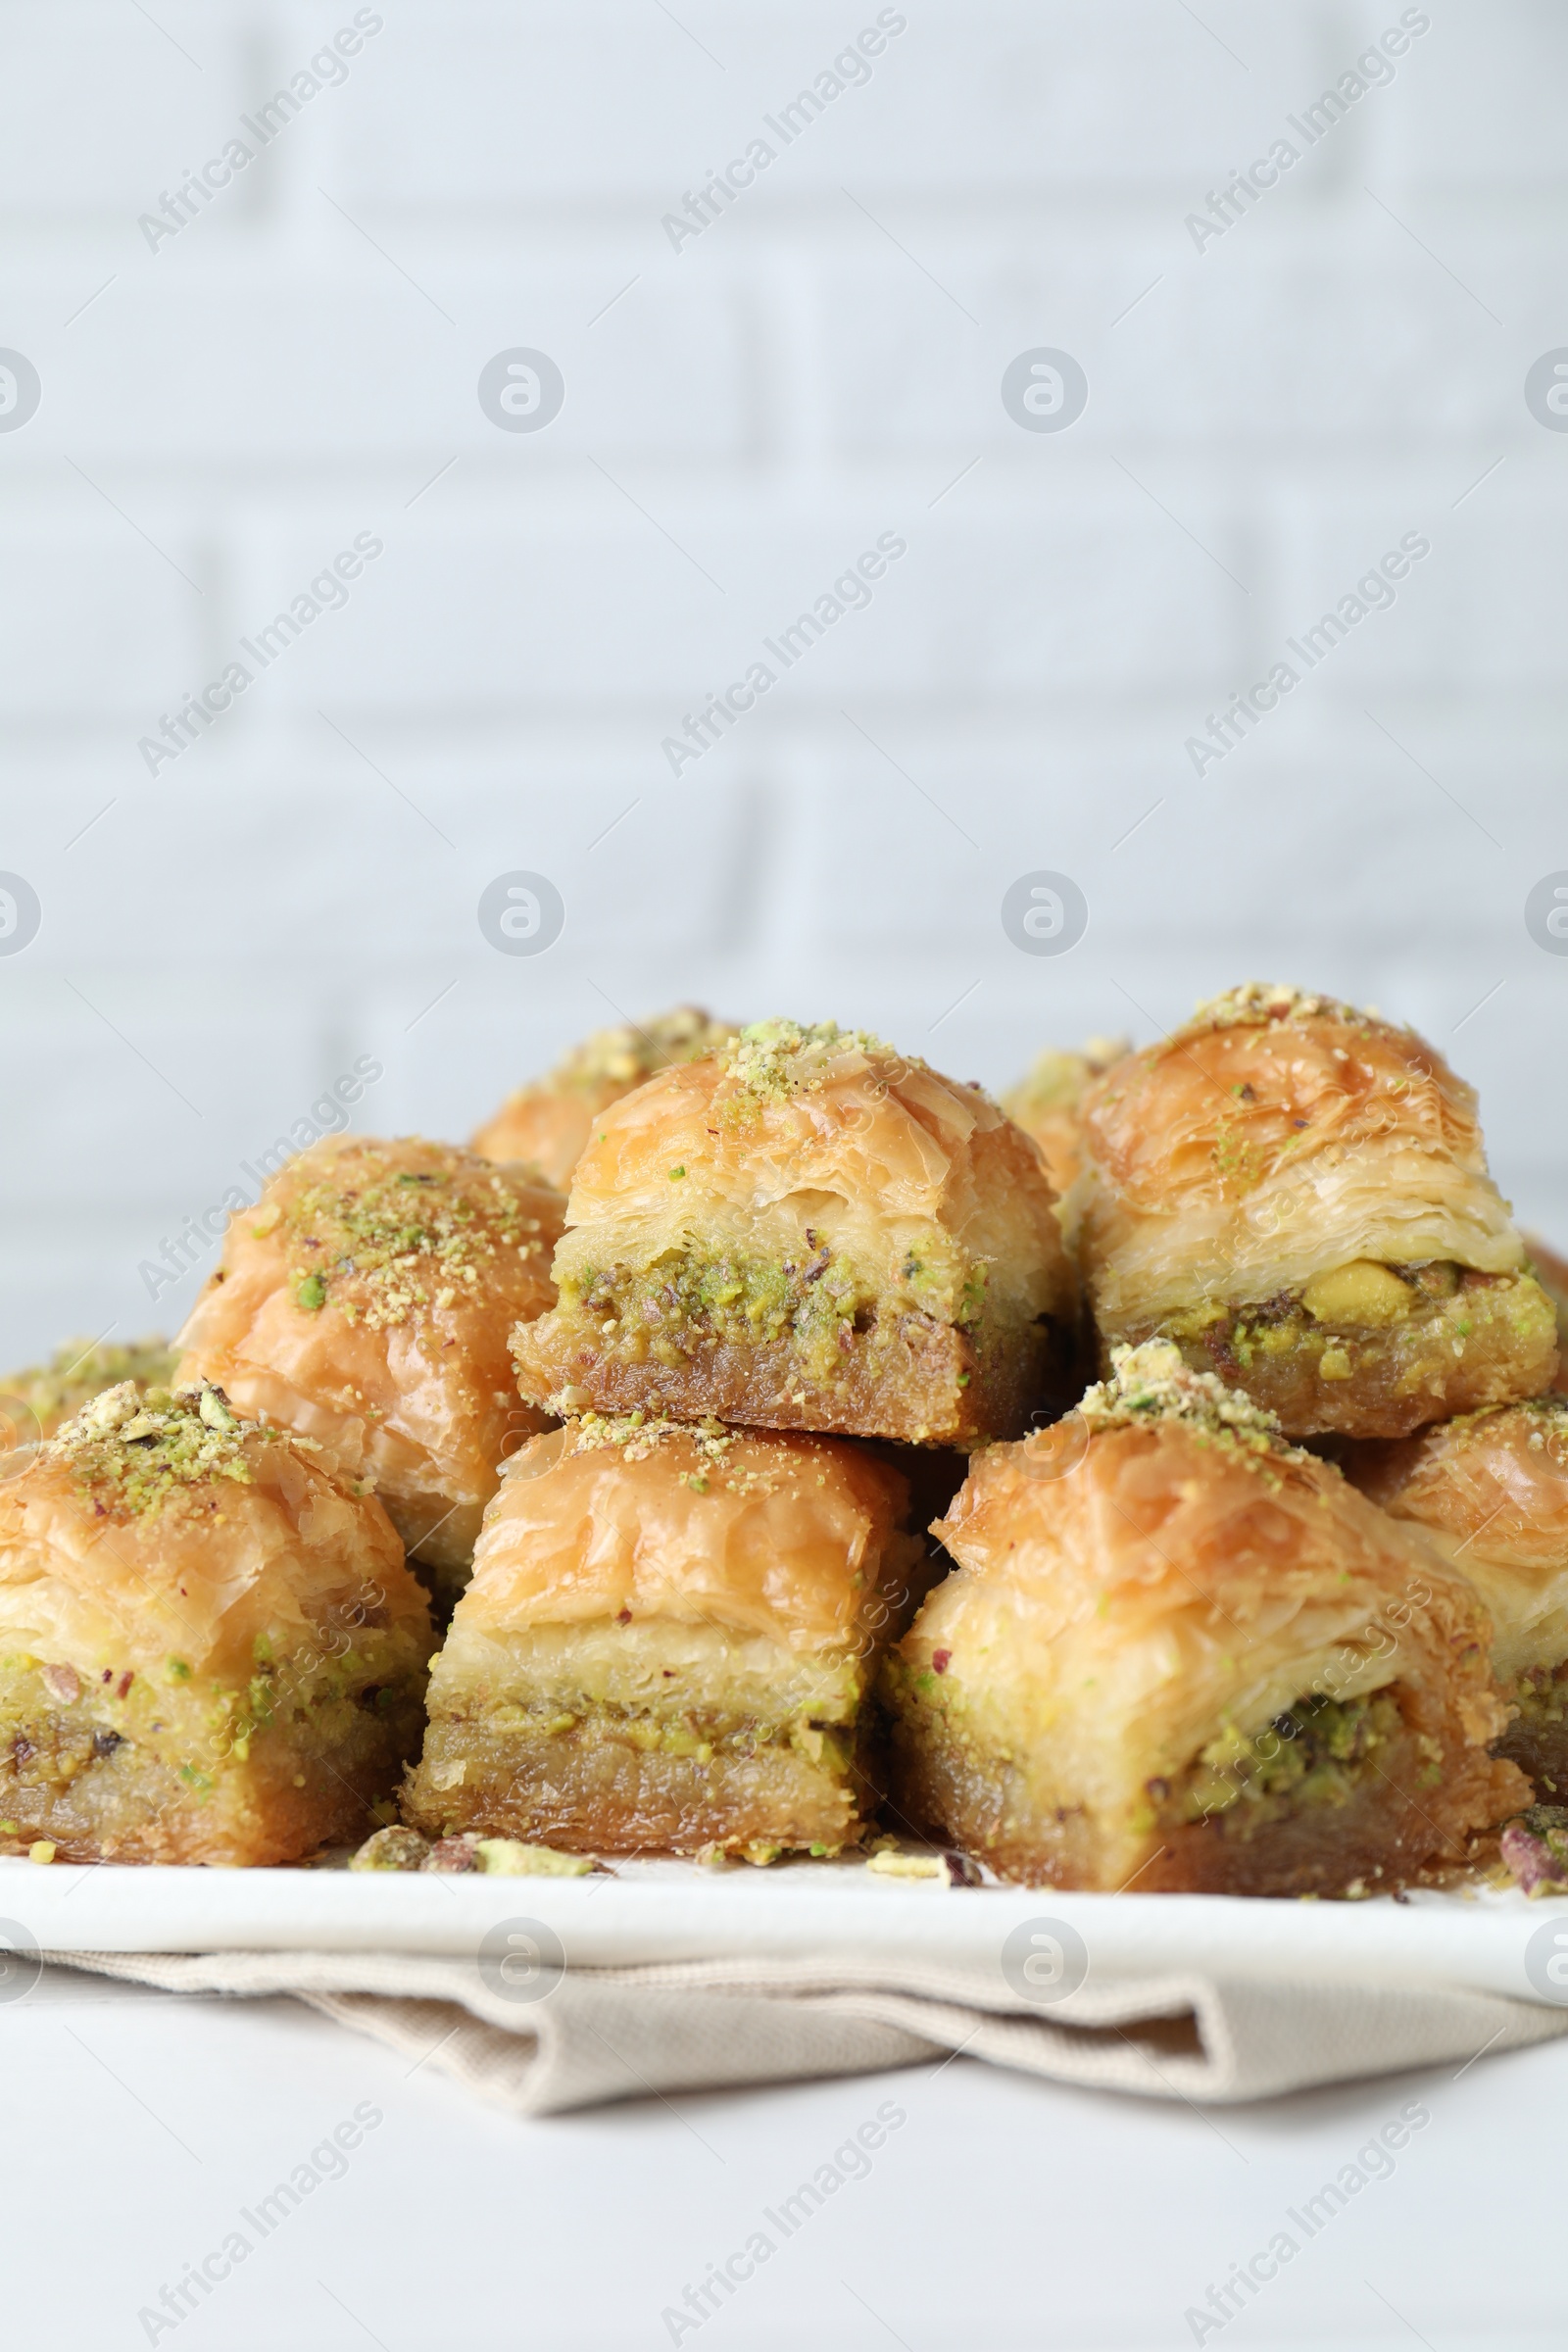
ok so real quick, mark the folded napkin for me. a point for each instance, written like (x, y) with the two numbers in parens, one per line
(595, 2034)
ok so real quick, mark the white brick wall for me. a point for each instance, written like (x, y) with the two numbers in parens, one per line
(220, 416)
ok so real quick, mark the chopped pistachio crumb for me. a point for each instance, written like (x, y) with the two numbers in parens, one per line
(779, 1058)
(380, 1240)
(638, 1436)
(83, 1368)
(1258, 1001)
(1151, 1382)
(508, 1858)
(145, 1450)
(392, 1849)
(624, 1057)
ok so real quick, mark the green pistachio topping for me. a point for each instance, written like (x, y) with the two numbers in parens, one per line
(145, 1452)
(1151, 1382)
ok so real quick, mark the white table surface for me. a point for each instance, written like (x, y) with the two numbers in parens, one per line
(1003, 2216)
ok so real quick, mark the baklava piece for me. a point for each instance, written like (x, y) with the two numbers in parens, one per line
(549, 1123)
(1046, 1104)
(210, 1649)
(1297, 1193)
(808, 1231)
(1489, 1492)
(1181, 1654)
(668, 1643)
(365, 1301)
(37, 1401)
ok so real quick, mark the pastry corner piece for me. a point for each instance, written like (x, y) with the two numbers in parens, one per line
(1297, 1193)
(1489, 1492)
(1180, 1654)
(808, 1230)
(365, 1301)
(668, 1644)
(549, 1122)
(210, 1649)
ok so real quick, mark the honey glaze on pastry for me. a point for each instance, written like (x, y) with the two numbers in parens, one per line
(549, 1123)
(210, 1649)
(1489, 1492)
(668, 1642)
(1180, 1653)
(365, 1301)
(808, 1231)
(1046, 1103)
(1297, 1193)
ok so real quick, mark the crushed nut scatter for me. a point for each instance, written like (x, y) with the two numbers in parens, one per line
(400, 1849)
(1151, 1382)
(638, 1436)
(1534, 1849)
(82, 1368)
(383, 1240)
(774, 1059)
(141, 1453)
(1548, 1414)
(937, 1870)
(625, 1056)
(1258, 1001)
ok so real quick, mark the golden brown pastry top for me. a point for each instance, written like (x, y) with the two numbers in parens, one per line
(51, 1392)
(1491, 1491)
(378, 1233)
(786, 1109)
(158, 1532)
(1275, 1134)
(1046, 1103)
(1163, 1558)
(548, 1123)
(754, 1531)
(378, 1282)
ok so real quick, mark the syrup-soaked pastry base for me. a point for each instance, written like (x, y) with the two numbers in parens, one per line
(896, 1375)
(632, 1784)
(1490, 1339)
(160, 1775)
(1405, 1809)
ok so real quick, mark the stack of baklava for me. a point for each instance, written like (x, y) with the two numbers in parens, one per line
(1278, 1605)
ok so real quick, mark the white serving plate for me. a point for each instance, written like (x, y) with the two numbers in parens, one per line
(649, 1911)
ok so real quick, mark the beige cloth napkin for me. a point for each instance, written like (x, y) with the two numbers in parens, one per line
(629, 2032)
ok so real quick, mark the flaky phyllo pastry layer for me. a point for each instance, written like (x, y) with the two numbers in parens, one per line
(1048, 1104)
(1489, 1492)
(668, 1642)
(808, 1231)
(1297, 1193)
(210, 1649)
(549, 1123)
(367, 1302)
(1180, 1653)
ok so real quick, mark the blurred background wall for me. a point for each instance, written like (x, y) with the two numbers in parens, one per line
(1288, 380)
